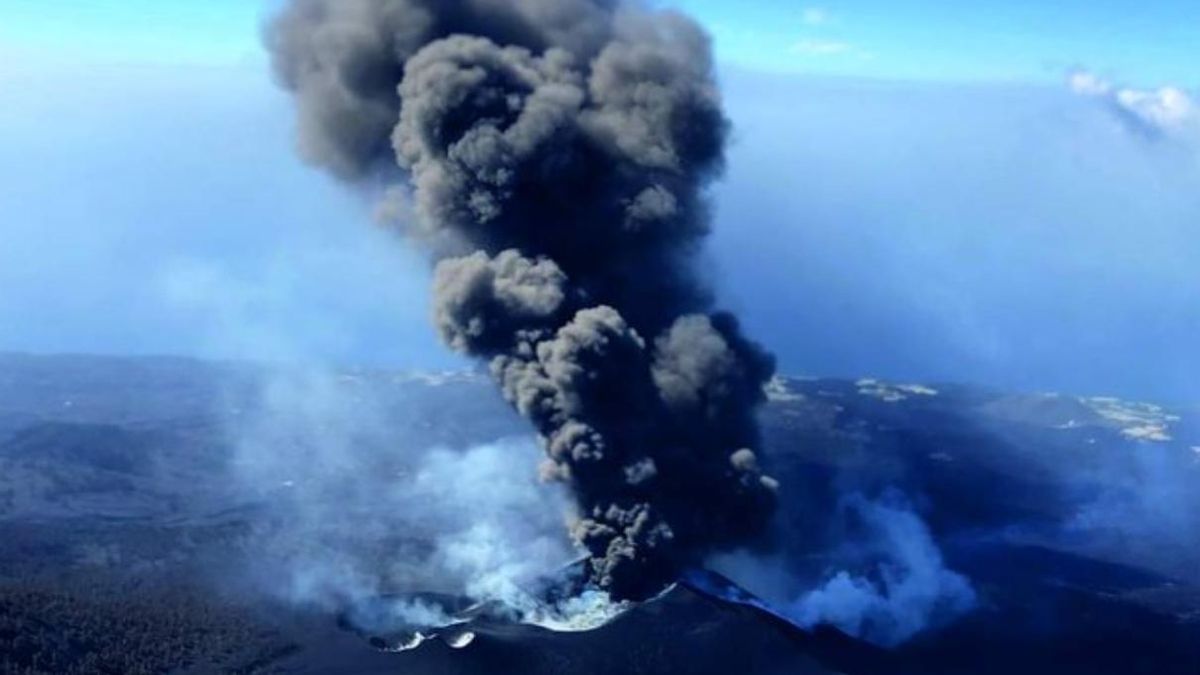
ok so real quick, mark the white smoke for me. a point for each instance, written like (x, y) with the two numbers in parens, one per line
(356, 504)
(350, 492)
(885, 583)
(1144, 508)
(395, 614)
(904, 587)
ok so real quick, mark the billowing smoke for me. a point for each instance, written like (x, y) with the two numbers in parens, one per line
(905, 589)
(554, 154)
(885, 581)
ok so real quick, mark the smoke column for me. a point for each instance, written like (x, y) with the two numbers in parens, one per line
(554, 155)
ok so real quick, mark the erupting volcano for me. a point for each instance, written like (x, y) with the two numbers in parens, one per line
(552, 156)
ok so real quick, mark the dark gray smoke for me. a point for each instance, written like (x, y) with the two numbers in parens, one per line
(556, 153)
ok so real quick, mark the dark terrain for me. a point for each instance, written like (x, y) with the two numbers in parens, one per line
(124, 543)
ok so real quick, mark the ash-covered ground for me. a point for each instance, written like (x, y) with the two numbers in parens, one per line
(165, 515)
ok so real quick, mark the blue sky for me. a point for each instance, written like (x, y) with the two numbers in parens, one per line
(1147, 43)
(131, 31)
(913, 192)
(1009, 40)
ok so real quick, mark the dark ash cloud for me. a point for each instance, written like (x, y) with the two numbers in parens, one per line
(555, 155)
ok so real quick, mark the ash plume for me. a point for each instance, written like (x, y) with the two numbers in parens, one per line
(555, 154)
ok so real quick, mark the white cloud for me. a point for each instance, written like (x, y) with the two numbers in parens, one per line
(818, 42)
(822, 47)
(814, 16)
(1168, 107)
(1168, 110)
(815, 47)
(1088, 84)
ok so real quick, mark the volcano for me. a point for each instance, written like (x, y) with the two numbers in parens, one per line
(145, 552)
(1039, 618)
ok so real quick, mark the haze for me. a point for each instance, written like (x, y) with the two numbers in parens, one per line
(1019, 218)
